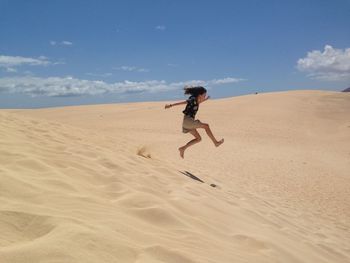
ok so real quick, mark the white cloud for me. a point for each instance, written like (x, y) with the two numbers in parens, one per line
(69, 86)
(61, 43)
(132, 68)
(331, 64)
(102, 75)
(225, 81)
(11, 70)
(66, 43)
(160, 27)
(192, 83)
(10, 62)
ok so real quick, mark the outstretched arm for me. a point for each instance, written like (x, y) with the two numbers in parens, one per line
(167, 106)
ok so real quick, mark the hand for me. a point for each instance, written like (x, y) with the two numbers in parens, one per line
(167, 106)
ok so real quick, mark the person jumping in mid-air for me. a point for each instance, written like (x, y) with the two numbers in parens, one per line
(197, 96)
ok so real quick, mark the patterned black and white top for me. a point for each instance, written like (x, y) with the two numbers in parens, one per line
(191, 107)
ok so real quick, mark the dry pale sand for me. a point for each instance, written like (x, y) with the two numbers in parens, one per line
(105, 183)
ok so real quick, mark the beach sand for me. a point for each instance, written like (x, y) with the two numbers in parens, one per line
(105, 183)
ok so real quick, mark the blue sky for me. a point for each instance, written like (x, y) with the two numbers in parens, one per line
(55, 53)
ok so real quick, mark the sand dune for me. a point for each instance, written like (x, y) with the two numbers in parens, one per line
(105, 183)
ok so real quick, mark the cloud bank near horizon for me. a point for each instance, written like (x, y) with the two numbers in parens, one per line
(69, 86)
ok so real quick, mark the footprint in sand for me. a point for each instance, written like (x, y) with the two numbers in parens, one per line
(144, 152)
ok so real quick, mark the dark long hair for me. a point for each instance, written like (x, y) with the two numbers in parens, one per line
(195, 91)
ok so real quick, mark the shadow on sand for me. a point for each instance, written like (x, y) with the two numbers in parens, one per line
(192, 176)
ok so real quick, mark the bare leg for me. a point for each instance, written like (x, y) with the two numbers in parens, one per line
(211, 135)
(197, 139)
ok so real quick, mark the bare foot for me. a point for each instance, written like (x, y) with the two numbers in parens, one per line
(182, 152)
(217, 144)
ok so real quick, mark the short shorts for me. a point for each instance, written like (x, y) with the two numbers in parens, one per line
(189, 124)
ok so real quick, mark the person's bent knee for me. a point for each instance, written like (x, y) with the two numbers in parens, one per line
(204, 125)
(199, 139)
